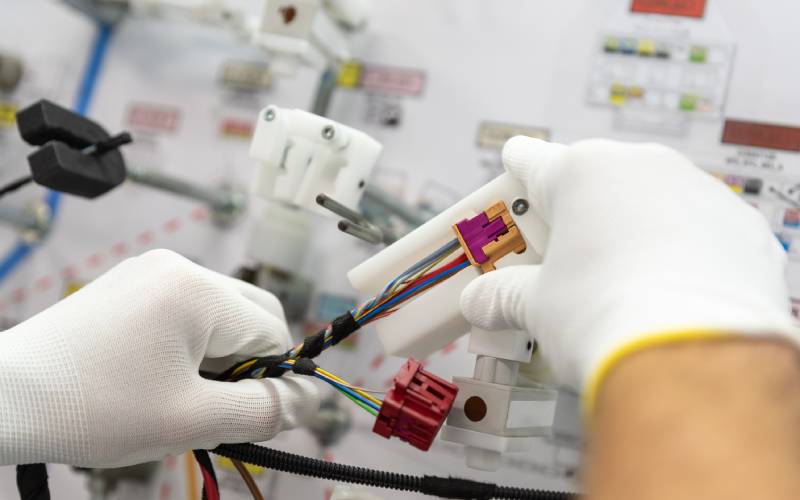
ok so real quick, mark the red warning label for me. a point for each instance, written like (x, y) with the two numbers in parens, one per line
(685, 8)
(761, 135)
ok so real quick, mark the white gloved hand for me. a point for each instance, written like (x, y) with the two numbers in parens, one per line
(109, 376)
(644, 249)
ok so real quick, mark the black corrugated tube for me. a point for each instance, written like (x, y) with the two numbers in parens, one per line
(444, 487)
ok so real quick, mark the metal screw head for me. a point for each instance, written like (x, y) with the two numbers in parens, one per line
(328, 132)
(520, 206)
(269, 115)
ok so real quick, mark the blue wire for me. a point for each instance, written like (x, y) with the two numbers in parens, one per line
(349, 391)
(341, 387)
(21, 249)
(406, 293)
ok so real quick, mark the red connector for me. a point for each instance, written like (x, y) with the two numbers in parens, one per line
(416, 406)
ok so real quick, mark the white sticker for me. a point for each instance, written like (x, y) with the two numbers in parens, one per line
(531, 414)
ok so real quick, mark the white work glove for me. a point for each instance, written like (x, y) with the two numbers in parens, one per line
(108, 377)
(645, 248)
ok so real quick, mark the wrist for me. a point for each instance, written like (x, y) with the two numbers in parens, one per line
(701, 410)
(628, 323)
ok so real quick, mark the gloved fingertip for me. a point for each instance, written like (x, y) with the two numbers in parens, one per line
(522, 154)
(495, 300)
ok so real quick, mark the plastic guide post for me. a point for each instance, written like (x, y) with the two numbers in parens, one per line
(416, 406)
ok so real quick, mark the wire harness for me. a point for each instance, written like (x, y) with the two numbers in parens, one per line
(423, 275)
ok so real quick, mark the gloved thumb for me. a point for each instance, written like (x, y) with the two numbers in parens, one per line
(496, 300)
(256, 410)
(533, 162)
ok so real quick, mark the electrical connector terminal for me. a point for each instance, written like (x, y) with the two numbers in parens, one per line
(489, 236)
(416, 406)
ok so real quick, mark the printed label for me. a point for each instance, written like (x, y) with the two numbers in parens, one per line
(762, 135)
(153, 117)
(236, 129)
(393, 80)
(8, 114)
(494, 135)
(684, 8)
(245, 75)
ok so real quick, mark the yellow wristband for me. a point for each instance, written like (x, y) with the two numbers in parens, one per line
(657, 339)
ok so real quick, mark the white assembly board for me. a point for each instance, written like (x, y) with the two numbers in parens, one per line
(442, 85)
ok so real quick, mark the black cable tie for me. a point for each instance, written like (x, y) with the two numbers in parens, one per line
(342, 327)
(312, 345)
(304, 366)
(269, 363)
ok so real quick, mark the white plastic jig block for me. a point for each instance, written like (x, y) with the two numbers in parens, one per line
(434, 319)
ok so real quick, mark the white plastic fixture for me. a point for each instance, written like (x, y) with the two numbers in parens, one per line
(301, 155)
(434, 319)
(292, 32)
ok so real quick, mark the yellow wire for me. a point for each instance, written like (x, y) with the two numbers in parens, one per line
(394, 290)
(244, 367)
(339, 380)
(326, 373)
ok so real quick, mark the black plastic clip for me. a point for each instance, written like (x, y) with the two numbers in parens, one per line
(76, 155)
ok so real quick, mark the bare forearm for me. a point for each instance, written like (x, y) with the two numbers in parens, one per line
(702, 420)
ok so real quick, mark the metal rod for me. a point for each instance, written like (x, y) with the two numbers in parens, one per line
(324, 93)
(214, 197)
(354, 223)
(360, 232)
(334, 206)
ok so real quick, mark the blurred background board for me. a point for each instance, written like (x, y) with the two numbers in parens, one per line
(441, 85)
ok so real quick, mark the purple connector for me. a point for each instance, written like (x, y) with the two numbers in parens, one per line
(479, 231)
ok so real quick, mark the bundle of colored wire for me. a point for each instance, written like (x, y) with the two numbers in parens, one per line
(412, 281)
(420, 277)
(359, 396)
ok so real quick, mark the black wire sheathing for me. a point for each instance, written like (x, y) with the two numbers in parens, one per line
(312, 345)
(444, 487)
(269, 363)
(204, 461)
(304, 366)
(32, 482)
(342, 327)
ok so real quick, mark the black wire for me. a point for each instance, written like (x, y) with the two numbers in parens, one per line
(13, 186)
(32, 482)
(444, 487)
(204, 461)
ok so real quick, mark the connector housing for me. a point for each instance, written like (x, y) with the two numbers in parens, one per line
(416, 406)
(489, 236)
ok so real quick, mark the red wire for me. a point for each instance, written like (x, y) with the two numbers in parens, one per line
(437, 272)
(209, 485)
